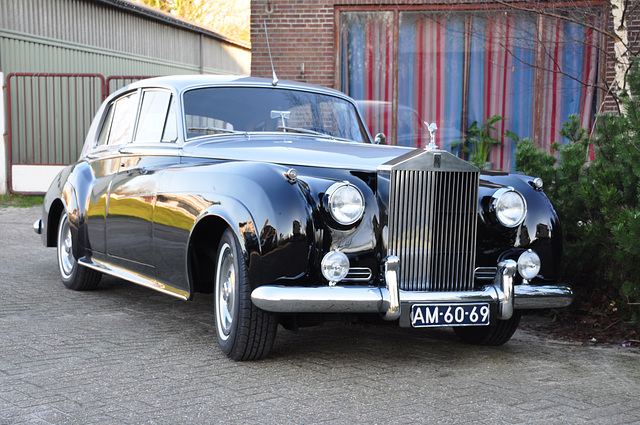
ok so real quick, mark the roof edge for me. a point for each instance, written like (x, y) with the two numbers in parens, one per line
(161, 16)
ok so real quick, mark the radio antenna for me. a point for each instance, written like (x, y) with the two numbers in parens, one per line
(273, 70)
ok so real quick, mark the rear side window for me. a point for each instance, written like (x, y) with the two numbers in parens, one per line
(153, 115)
(118, 124)
(171, 127)
(106, 127)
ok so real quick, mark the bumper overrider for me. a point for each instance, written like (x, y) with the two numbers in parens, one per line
(394, 303)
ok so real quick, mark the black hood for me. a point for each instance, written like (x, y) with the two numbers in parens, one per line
(295, 150)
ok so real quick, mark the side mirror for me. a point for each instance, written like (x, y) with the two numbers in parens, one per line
(380, 139)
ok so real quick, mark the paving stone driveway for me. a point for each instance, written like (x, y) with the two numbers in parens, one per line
(125, 354)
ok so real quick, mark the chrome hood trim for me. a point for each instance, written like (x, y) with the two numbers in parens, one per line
(293, 149)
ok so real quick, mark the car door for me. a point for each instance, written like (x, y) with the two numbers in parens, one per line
(174, 214)
(104, 160)
(132, 196)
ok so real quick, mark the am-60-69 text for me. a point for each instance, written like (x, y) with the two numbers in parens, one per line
(450, 315)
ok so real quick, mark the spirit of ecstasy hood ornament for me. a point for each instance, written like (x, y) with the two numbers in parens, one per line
(432, 136)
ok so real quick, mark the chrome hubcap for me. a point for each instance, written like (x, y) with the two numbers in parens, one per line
(66, 261)
(225, 291)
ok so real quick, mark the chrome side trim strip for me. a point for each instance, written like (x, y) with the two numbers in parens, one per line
(113, 270)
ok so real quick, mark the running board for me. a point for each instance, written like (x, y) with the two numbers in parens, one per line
(137, 278)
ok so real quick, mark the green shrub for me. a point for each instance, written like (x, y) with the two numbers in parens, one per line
(598, 202)
(479, 141)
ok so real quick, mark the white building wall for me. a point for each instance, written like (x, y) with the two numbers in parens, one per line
(3, 150)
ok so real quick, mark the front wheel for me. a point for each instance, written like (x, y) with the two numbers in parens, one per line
(74, 276)
(497, 333)
(244, 331)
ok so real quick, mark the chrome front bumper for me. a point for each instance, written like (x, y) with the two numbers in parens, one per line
(388, 300)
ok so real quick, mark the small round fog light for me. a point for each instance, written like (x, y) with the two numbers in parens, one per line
(529, 265)
(335, 266)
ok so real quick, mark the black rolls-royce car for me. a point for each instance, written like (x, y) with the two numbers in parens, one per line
(274, 197)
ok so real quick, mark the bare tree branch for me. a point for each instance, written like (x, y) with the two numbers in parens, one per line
(228, 17)
(564, 18)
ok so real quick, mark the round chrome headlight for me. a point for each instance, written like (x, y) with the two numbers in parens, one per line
(345, 203)
(529, 265)
(509, 207)
(335, 266)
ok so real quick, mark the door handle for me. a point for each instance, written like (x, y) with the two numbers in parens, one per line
(141, 171)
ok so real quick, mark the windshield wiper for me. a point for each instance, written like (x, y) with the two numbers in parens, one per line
(303, 131)
(210, 130)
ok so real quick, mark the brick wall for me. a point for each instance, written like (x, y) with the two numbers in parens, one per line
(301, 34)
(633, 28)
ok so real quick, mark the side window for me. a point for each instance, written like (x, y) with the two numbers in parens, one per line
(106, 127)
(123, 117)
(153, 114)
(171, 127)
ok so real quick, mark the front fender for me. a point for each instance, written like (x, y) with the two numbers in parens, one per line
(540, 230)
(269, 214)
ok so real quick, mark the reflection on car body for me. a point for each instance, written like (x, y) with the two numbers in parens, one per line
(274, 199)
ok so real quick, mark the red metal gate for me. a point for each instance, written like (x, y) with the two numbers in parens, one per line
(49, 114)
(116, 82)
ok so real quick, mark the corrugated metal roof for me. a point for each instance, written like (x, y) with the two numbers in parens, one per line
(114, 28)
(168, 19)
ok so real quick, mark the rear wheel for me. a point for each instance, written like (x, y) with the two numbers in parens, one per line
(244, 331)
(74, 276)
(497, 333)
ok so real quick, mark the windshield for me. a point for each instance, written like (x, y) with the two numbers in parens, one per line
(218, 110)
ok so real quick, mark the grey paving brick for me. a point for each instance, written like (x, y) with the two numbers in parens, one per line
(125, 354)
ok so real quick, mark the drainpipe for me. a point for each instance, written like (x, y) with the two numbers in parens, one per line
(620, 44)
(3, 146)
(201, 52)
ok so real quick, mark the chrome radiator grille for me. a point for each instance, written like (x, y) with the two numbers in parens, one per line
(432, 228)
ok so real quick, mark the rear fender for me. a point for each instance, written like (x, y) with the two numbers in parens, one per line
(70, 201)
(63, 195)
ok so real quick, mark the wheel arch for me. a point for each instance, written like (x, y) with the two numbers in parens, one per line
(205, 239)
(53, 221)
(270, 217)
(201, 254)
(66, 201)
(65, 194)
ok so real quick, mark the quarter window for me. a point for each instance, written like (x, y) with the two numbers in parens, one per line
(171, 127)
(153, 114)
(106, 127)
(124, 112)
